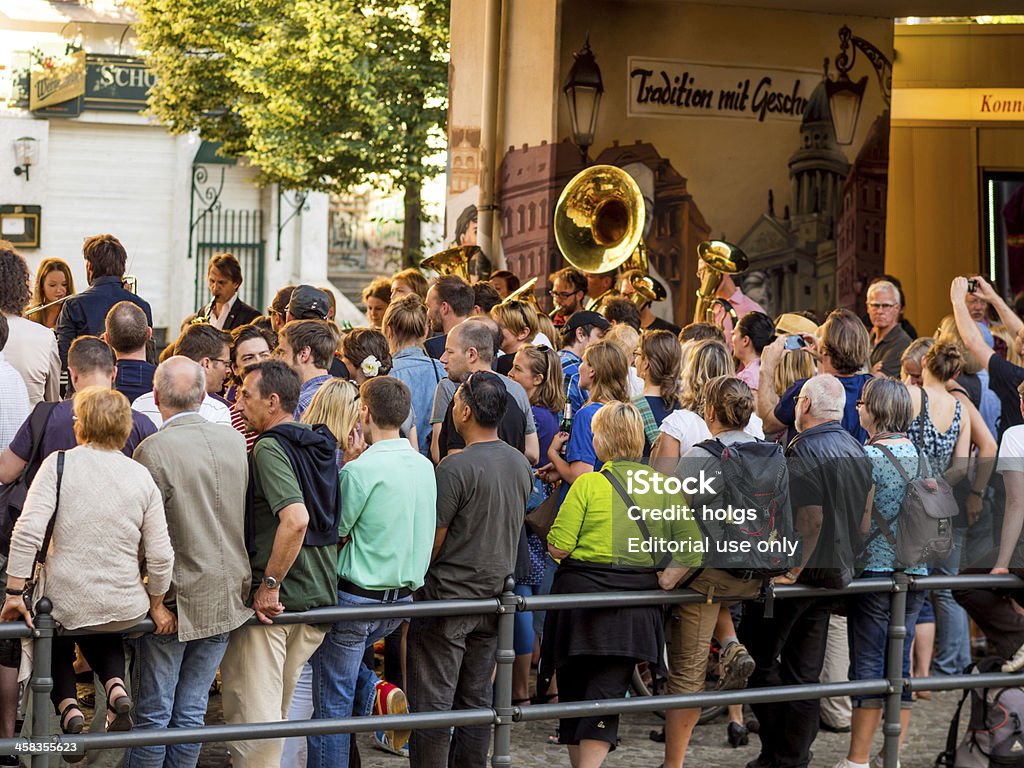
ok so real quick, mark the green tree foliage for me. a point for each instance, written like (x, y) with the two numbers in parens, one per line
(317, 94)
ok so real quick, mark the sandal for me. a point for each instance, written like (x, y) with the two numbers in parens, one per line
(72, 725)
(121, 707)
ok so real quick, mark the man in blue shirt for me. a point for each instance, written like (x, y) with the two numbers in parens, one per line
(307, 347)
(127, 333)
(85, 313)
(581, 329)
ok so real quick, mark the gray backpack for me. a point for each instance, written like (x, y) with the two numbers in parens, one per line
(995, 731)
(924, 530)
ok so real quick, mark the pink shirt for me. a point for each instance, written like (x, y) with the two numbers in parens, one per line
(742, 305)
(750, 374)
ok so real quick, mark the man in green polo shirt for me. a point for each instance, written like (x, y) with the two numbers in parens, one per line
(292, 542)
(388, 521)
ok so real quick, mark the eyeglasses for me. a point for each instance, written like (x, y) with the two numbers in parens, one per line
(563, 294)
(877, 305)
(271, 312)
(222, 361)
(860, 403)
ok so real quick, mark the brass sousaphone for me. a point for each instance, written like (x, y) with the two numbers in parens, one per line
(453, 261)
(599, 220)
(720, 258)
(525, 294)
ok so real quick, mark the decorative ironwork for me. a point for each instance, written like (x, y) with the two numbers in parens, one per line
(297, 202)
(849, 44)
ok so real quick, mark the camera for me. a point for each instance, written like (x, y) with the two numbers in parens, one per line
(972, 286)
(794, 341)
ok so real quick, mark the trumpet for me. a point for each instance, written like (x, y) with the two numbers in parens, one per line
(525, 294)
(720, 258)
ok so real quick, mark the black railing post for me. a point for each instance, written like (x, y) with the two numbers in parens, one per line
(897, 636)
(505, 657)
(42, 680)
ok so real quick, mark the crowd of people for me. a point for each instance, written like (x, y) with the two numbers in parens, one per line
(263, 464)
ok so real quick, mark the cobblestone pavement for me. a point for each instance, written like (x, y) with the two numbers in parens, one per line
(708, 749)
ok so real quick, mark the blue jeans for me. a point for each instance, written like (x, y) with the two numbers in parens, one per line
(342, 685)
(952, 628)
(867, 627)
(174, 689)
(524, 635)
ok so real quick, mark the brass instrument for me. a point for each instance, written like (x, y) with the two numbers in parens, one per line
(130, 283)
(599, 219)
(525, 294)
(720, 258)
(453, 261)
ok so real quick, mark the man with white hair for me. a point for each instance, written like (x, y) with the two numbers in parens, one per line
(202, 472)
(888, 338)
(830, 477)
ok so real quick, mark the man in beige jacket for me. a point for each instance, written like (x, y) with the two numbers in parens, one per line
(201, 470)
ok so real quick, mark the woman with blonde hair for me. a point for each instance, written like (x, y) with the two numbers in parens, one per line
(659, 363)
(595, 650)
(603, 375)
(519, 324)
(54, 281)
(685, 427)
(336, 406)
(107, 515)
(405, 328)
(408, 282)
(626, 338)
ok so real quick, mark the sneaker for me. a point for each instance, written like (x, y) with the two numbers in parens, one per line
(844, 763)
(1016, 662)
(737, 666)
(381, 741)
(390, 700)
(878, 761)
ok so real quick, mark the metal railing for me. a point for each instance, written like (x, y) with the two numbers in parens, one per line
(503, 716)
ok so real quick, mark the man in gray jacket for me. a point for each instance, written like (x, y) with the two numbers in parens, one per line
(202, 472)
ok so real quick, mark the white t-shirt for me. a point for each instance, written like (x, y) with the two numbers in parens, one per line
(212, 410)
(1011, 450)
(689, 428)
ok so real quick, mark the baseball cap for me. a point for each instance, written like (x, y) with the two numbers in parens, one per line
(582, 318)
(791, 323)
(309, 303)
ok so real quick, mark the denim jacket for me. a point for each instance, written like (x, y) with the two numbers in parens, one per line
(421, 374)
(84, 314)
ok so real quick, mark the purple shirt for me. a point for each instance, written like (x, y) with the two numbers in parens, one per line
(60, 434)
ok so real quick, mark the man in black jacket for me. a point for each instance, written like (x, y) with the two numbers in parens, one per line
(830, 477)
(85, 313)
(225, 310)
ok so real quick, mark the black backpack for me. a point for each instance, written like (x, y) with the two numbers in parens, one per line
(995, 731)
(12, 495)
(753, 476)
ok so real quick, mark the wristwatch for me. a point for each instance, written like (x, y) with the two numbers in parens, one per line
(270, 582)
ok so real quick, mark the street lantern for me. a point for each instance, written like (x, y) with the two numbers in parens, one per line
(844, 100)
(583, 89)
(846, 96)
(24, 155)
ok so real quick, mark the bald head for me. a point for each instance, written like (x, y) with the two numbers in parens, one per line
(822, 399)
(179, 385)
(478, 333)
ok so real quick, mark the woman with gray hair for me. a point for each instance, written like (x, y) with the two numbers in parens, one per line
(885, 411)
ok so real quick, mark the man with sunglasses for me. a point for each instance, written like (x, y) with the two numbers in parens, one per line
(211, 348)
(568, 292)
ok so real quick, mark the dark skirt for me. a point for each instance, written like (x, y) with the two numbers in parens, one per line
(635, 632)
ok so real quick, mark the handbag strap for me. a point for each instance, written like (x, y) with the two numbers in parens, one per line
(41, 557)
(640, 522)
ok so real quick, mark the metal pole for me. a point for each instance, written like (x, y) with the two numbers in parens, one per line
(488, 232)
(894, 667)
(505, 657)
(42, 681)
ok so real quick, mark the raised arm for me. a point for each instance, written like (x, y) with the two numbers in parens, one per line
(968, 329)
(1008, 317)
